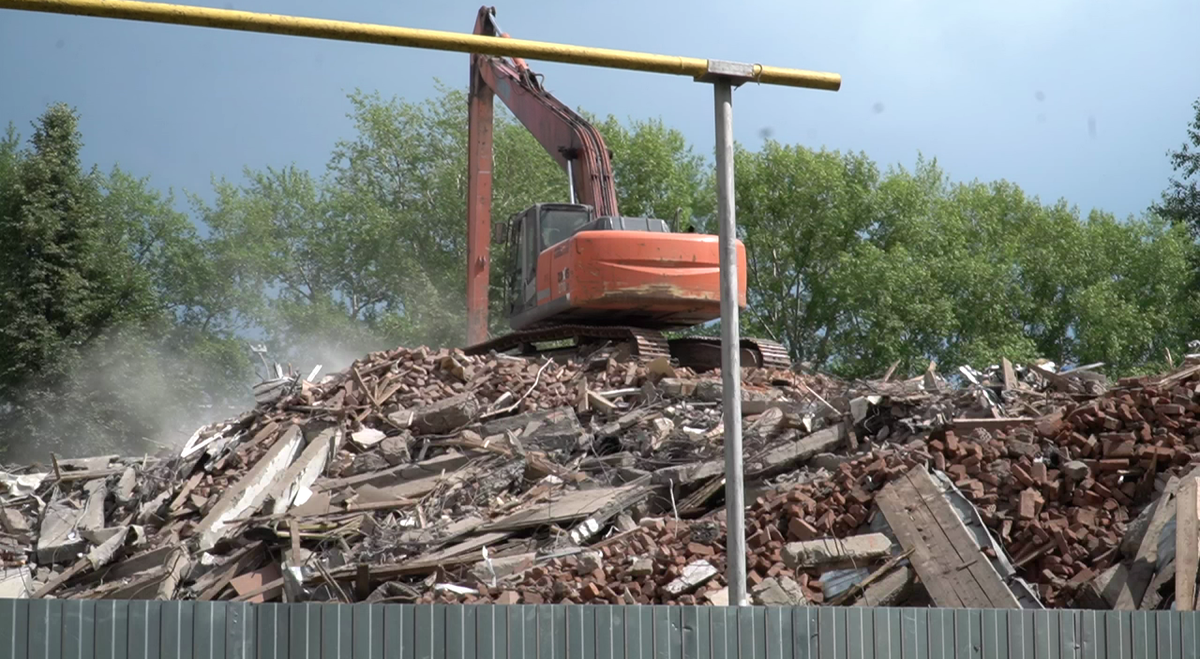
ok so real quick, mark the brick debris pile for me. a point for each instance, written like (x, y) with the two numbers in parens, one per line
(423, 476)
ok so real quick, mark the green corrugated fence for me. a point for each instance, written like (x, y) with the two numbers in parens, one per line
(49, 629)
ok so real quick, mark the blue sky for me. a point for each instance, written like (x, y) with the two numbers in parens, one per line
(1069, 99)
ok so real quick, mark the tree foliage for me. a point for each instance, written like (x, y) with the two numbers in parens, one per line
(854, 269)
(92, 271)
(1180, 202)
(657, 173)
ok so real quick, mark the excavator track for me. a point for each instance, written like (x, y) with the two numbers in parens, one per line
(705, 352)
(646, 344)
(700, 353)
(774, 355)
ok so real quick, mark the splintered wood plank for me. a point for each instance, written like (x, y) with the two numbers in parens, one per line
(414, 479)
(187, 490)
(212, 584)
(1187, 549)
(979, 574)
(1178, 376)
(1010, 375)
(570, 506)
(62, 578)
(944, 554)
(1145, 563)
(1058, 380)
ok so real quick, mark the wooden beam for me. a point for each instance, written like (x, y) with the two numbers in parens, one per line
(69, 476)
(1056, 379)
(944, 553)
(186, 491)
(1178, 376)
(362, 582)
(62, 578)
(380, 505)
(1187, 549)
(213, 583)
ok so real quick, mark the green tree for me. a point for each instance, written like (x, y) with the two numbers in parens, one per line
(881, 290)
(1138, 302)
(64, 295)
(103, 349)
(196, 287)
(657, 172)
(304, 268)
(1180, 202)
(10, 145)
(798, 211)
(58, 289)
(854, 270)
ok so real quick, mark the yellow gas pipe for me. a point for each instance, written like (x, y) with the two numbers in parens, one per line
(317, 28)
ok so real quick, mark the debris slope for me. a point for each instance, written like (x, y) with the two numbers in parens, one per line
(429, 476)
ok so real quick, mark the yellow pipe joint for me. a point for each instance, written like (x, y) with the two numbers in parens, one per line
(317, 28)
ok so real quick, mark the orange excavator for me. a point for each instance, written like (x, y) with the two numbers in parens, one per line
(581, 272)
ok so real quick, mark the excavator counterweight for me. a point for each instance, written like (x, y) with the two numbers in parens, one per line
(580, 270)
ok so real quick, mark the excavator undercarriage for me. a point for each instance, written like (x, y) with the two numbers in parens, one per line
(695, 352)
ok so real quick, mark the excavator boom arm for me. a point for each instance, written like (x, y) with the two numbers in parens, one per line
(574, 144)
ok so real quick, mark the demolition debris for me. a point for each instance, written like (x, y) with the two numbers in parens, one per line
(430, 476)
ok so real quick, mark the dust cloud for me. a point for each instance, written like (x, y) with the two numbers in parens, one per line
(131, 395)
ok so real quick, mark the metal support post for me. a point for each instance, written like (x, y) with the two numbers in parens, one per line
(723, 76)
(731, 368)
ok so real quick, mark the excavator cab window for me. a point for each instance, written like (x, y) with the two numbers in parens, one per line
(560, 223)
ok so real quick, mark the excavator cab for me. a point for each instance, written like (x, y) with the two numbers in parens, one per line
(530, 233)
(542, 226)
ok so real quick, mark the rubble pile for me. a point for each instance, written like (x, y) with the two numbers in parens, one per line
(431, 476)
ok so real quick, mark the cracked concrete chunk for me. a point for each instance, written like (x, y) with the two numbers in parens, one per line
(832, 551)
(446, 415)
(693, 576)
(779, 591)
